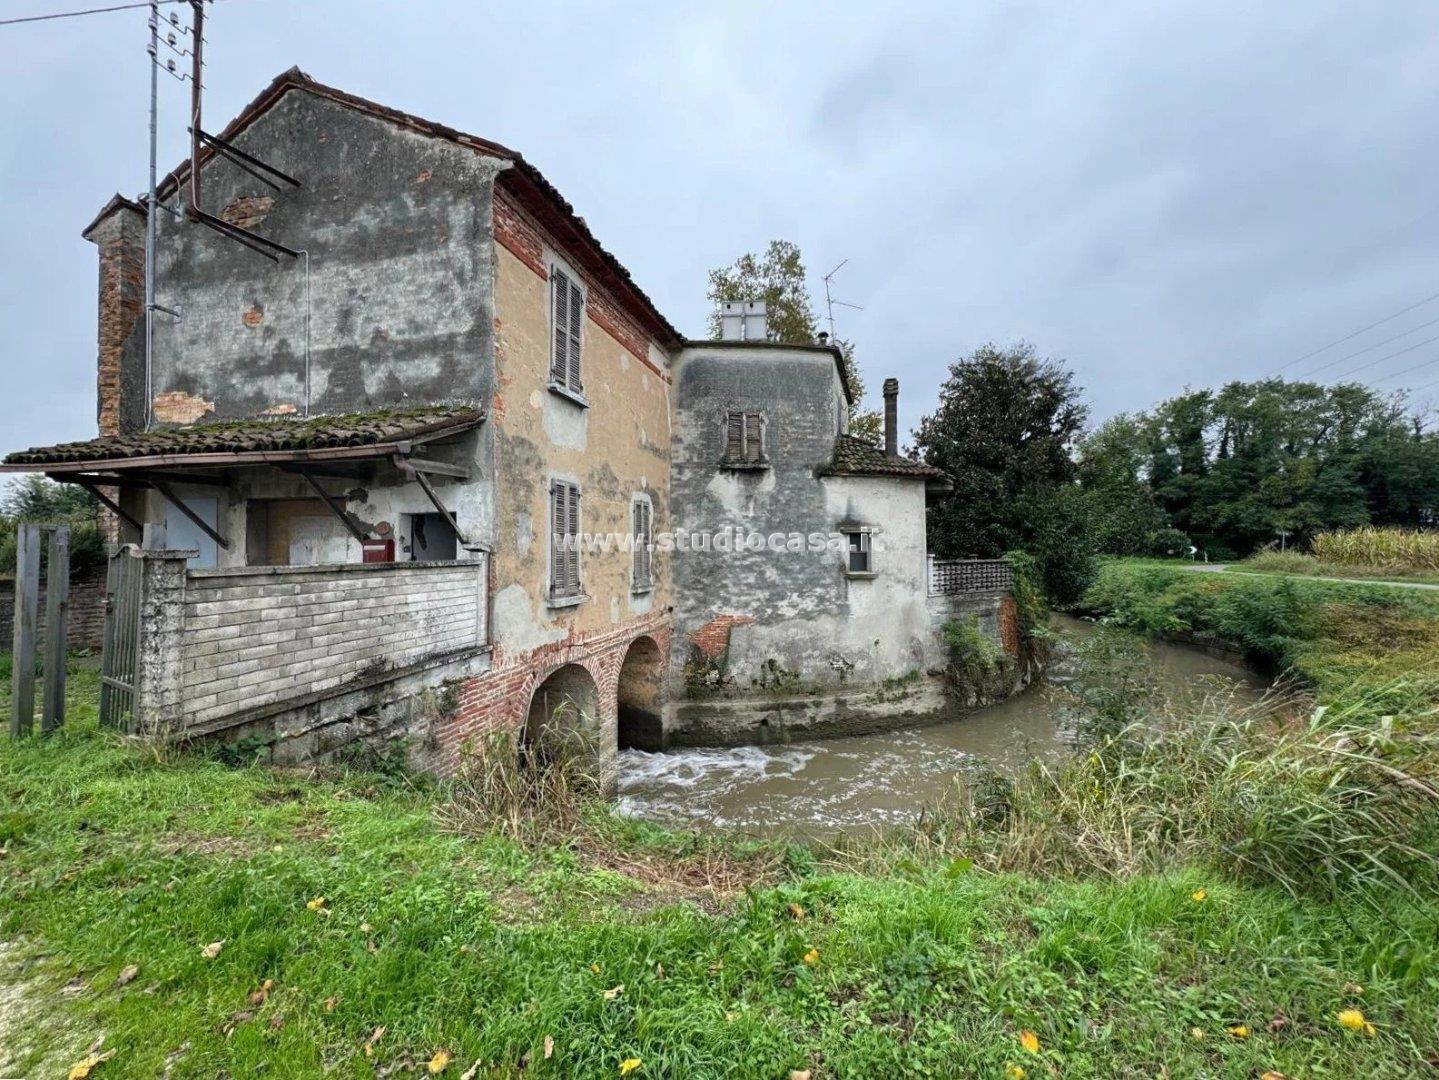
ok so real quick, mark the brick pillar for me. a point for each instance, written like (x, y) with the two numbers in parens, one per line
(158, 706)
(119, 234)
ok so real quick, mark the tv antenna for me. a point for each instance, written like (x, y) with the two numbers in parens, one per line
(830, 301)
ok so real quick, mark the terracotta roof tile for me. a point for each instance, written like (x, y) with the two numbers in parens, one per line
(241, 436)
(856, 457)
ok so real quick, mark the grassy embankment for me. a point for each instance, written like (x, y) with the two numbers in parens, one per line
(1375, 553)
(1208, 907)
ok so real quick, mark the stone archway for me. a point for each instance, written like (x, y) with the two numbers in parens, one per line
(564, 713)
(639, 696)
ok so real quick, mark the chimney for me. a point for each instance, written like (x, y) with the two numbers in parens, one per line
(891, 418)
(743, 320)
(119, 234)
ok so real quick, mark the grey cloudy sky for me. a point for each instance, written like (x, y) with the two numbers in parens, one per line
(1161, 193)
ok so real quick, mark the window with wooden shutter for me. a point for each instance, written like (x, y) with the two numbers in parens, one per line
(567, 301)
(744, 438)
(642, 531)
(564, 539)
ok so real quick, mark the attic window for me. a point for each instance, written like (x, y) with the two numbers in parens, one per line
(744, 440)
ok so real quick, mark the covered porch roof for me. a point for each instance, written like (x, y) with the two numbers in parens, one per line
(260, 441)
(204, 454)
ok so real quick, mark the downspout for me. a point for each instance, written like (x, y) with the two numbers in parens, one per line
(305, 252)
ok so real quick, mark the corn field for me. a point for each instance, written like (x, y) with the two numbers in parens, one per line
(1396, 549)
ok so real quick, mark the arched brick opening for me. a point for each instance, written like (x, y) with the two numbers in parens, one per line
(639, 695)
(564, 713)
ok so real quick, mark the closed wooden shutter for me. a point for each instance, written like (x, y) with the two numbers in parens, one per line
(576, 325)
(734, 437)
(560, 295)
(753, 437)
(643, 537)
(558, 516)
(572, 526)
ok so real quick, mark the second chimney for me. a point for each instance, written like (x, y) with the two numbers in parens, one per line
(891, 417)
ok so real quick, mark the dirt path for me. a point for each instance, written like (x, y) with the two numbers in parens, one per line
(1226, 568)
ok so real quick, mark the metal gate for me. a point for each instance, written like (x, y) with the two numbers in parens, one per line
(119, 662)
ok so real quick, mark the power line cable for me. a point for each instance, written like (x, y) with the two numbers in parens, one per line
(1368, 348)
(1355, 334)
(1380, 360)
(1406, 371)
(87, 11)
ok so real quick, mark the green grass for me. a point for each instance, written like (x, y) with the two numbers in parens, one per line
(926, 964)
(1294, 562)
(1371, 646)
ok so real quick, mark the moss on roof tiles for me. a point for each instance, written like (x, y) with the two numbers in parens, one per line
(856, 457)
(259, 433)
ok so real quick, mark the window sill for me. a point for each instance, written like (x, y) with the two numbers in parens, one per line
(561, 390)
(861, 575)
(744, 466)
(567, 601)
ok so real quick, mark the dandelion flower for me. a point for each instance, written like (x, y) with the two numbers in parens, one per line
(1354, 1020)
(629, 1065)
(1239, 1031)
(1014, 1072)
(1029, 1040)
(316, 904)
(811, 958)
(1199, 896)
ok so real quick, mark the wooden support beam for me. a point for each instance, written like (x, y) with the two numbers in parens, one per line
(57, 610)
(445, 513)
(335, 508)
(27, 617)
(200, 523)
(437, 468)
(104, 500)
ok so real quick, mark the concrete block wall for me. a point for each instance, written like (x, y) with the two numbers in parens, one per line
(262, 635)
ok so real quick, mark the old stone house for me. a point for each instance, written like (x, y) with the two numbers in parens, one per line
(347, 476)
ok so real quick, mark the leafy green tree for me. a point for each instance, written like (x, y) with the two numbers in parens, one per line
(1005, 429)
(1125, 518)
(778, 278)
(34, 498)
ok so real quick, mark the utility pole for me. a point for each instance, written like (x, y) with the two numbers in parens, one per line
(150, 212)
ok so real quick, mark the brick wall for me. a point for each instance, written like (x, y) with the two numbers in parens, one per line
(499, 699)
(85, 624)
(526, 240)
(713, 637)
(257, 636)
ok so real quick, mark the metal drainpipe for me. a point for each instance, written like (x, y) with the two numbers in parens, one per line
(306, 253)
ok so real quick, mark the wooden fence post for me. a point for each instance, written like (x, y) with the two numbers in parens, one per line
(27, 615)
(57, 610)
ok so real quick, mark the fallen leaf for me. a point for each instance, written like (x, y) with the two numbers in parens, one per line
(716, 967)
(316, 904)
(277, 1021)
(1196, 1033)
(1014, 1072)
(549, 1047)
(83, 1068)
(1239, 1031)
(614, 992)
(629, 1065)
(595, 968)
(1029, 1040)
(1353, 988)
(1278, 1024)
(127, 975)
(472, 1071)
(660, 972)
(212, 950)
(811, 958)
(330, 1003)
(365, 928)
(799, 1074)
(1272, 1075)
(257, 997)
(439, 1063)
(375, 1036)
(796, 911)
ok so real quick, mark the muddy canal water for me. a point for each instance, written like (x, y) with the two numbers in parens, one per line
(872, 781)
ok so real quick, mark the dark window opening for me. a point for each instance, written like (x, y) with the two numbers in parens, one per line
(858, 552)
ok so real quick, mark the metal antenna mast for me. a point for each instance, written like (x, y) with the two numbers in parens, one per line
(830, 301)
(150, 212)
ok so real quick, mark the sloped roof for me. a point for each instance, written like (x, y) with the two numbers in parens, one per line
(856, 457)
(525, 181)
(281, 435)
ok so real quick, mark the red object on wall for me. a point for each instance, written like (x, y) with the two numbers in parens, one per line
(378, 550)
